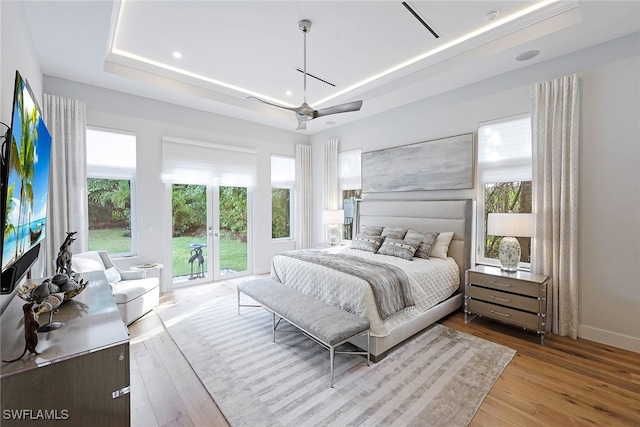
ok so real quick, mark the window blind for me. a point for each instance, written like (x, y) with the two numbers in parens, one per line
(111, 154)
(283, 171)
(349, 176)
(193, 162)
(504, 150)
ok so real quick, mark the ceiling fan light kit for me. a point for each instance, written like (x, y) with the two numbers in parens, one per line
(305, 112)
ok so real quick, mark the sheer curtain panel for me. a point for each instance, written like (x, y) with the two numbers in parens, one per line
(303, 198)
(555, 124)
(331, 192)
(67, 208)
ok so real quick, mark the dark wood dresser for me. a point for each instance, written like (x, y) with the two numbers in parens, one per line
(81, 377)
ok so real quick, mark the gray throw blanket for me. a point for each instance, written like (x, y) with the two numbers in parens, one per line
(390, 285)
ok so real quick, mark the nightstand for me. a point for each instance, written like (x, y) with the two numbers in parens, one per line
(518, 298)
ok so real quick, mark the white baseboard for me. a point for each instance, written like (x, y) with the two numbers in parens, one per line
(610, 338)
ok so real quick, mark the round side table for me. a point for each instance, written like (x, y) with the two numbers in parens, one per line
(147, 267)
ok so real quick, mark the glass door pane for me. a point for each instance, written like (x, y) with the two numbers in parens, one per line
(232, 237)
(190, 237)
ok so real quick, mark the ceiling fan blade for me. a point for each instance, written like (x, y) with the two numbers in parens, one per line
(301, 125)
(262, 101)
(342, 108)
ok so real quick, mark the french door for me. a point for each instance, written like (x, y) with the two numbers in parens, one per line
(210, 235)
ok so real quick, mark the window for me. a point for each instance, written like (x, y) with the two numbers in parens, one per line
(111, 171)
(504, 174)
(350, 183)
(283, 172)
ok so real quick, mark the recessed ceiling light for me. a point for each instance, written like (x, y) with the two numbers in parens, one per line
(525, 56)
(289, 93)
(177, 55)
(491, 15)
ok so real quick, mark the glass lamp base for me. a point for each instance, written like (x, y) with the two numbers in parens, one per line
(334, 235)
(509, 253)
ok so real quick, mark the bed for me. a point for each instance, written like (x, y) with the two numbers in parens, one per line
(435, 284)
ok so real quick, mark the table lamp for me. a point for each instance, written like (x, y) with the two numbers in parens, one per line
(510, 226)
(332, 218)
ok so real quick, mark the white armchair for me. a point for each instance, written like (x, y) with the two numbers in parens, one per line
(134, 293)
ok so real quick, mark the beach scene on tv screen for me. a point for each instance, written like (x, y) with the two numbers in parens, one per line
(28, 183)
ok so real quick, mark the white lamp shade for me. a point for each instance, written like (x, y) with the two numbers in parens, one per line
(333, 217)
(510, 224)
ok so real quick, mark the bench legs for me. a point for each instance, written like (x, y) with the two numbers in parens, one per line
(332, 352)
(245, 305)
(331, 348)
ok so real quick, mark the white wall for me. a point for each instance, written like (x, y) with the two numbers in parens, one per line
(609, 276)
(610, 204)
(16, 53)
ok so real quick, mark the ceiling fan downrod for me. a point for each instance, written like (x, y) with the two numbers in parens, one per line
(306, 112)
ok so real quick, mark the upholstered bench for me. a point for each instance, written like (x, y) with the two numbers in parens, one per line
(329, 326)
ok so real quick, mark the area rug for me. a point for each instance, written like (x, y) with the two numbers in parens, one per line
(438, 378)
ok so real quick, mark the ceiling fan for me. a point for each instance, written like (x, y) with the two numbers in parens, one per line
(304, 112)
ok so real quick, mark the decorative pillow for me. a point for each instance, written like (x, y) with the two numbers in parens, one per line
(112, 274)
(365, 242)
(441, 245)
(399, 248)
(84, 264)
(371, 230)
(427, 238)
(394, 233)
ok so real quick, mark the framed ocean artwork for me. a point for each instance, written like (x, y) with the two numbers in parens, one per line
(440, 164)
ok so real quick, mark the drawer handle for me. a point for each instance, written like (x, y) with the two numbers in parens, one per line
(500, 299)
(500, 314)
(506, 285)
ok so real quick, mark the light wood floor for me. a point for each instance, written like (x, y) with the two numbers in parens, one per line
(565, 383)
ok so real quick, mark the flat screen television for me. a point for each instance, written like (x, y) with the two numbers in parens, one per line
(25, 186)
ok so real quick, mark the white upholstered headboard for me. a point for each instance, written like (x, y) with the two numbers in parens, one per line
(425, 215)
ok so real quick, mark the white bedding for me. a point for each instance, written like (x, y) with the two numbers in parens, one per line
(431, 281)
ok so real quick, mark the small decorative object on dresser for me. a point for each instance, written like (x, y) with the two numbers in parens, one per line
(63, 260)
(30, 332)
(518, 298)
(50, 294)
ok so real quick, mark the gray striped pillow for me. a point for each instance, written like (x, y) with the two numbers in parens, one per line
(427, 238)
(399, 248)
(371, 230)
(364, 242)
(394, 233)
